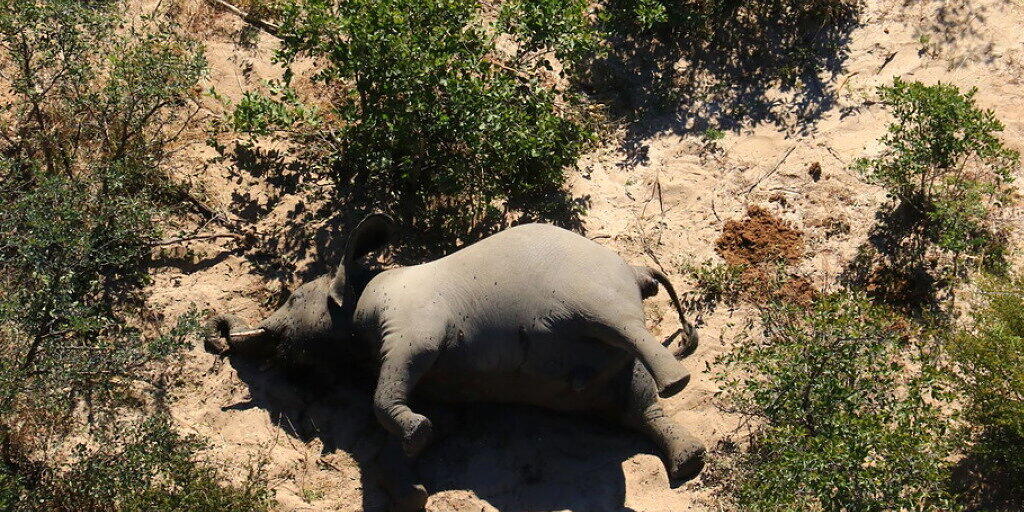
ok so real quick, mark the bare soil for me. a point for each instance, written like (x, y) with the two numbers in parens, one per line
(765, 245)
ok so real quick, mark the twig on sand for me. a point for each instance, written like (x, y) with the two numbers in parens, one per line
(266, 26)
(172, 241)
(661, 201)
(886, 62)
(834, 154)
(771, 172)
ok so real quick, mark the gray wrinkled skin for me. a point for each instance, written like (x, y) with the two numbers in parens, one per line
(535, 315)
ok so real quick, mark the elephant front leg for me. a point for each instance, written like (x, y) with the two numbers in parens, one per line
(401, 370)
(394, 472)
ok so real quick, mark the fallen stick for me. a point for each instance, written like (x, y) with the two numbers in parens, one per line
(268, 27)
(771, 172)
(172, 241)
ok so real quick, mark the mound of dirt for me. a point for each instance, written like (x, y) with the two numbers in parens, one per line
(759, 242)
(760, 238)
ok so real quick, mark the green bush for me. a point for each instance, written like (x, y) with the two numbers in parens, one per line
(714, 284)
(145, 465)
(990, 355)
(564, 27)
(93, 103)
(846, 411)
(944, 164)
(427, 118)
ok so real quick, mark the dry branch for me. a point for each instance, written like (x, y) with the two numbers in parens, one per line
(266, 26)
(172, 241)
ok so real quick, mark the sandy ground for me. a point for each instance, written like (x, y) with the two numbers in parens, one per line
(520, 459)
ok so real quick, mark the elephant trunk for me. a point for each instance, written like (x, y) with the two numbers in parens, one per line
(227, 335)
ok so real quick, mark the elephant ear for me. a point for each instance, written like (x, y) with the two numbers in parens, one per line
(372, 233)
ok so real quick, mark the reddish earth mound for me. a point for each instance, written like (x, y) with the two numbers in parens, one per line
(757, 242)
(758, 239)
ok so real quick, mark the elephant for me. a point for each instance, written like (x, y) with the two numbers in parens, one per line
(534, 314)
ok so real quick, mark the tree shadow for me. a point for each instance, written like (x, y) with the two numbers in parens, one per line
(989, 477)
(513, 457)
(891, 265)
(721, 65)
(955, 29)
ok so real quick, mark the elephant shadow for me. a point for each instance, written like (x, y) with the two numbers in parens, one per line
(515, 458)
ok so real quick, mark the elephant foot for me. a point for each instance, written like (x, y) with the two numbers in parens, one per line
(395, 475)
(672, 386)
(417, 436)
(686, 462)
(413, 499)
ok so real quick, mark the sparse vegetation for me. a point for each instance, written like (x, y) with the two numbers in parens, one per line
(845, 405)
(949, 175)
(714, 285)
(92, 101)
(990, 355)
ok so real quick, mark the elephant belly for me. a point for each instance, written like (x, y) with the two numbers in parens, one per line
(563, 373)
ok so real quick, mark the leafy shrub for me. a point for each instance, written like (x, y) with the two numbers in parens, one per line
(845, 407)
(93, 103)
(89, 116)
(714, 284)
(946, 167)
(990, 356)
(564, 27)
(88, 88)
(425, 118)
(144, 466)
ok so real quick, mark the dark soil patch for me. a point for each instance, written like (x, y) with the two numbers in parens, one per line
(814, 171)
(762, 285)
(797, 290)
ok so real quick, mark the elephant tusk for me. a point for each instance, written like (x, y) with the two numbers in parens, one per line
(247, 334)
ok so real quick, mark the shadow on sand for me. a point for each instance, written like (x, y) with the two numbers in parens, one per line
(723, 65)
(515, 458)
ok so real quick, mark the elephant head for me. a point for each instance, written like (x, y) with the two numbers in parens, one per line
(317, 317)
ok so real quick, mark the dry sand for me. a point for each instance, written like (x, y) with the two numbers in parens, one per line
(520, 459)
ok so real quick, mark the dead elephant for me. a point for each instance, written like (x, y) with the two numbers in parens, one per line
(534, 315)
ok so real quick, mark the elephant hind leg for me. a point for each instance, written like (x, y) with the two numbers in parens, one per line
(682, 453)
(669, 374)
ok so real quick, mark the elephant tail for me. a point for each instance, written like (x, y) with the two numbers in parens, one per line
(648, 279)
